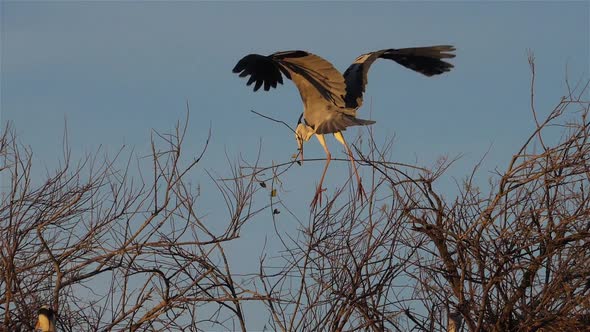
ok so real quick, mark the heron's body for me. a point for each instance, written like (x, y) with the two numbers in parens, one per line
(331, 99)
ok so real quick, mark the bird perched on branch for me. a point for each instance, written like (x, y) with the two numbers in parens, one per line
(45, 320)
(330, 99)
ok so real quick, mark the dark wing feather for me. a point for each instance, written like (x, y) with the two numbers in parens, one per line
(356, 78)
(262, 70)
(311, 74)
(425, 60)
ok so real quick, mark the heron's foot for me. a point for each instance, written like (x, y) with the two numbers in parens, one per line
(317, 197)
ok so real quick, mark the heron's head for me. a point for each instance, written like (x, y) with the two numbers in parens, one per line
(46, 320)
(303, 133)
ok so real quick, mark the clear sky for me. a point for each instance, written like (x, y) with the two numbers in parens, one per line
(115, 70)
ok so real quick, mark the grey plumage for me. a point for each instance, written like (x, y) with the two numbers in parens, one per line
(331, 99)
(310, 73)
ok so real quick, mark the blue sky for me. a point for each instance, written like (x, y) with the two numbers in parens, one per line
(115, 70)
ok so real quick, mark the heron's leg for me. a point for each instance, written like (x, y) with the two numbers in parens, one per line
(338, 135)
(319, 190)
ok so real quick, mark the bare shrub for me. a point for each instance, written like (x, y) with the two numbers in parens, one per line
(511, 257)
(112, 249)
(108, 252)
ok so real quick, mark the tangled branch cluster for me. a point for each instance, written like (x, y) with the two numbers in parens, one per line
(111, 251)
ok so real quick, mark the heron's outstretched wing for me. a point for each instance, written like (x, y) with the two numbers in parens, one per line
(425, 60)
(313, 76)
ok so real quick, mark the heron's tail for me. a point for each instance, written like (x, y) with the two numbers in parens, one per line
(425, 60)
(339, 122)
(361, 122)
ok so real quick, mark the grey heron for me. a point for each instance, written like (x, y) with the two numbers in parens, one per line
(45, 320)
(331, 99)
